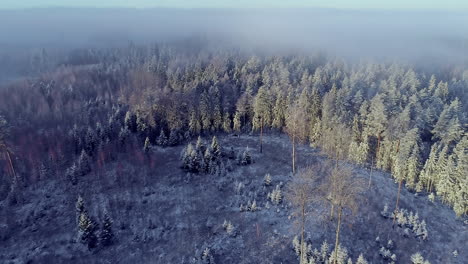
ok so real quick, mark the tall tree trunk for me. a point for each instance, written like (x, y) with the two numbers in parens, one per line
(302, 234)
(378, 145)
(429, 188)
(370, 174)
(261, 135)
(294, 154)
(332, 212)
(337, 238)
(11, 165)
(397, 200)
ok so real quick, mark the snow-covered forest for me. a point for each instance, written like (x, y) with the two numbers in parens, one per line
(189, 152)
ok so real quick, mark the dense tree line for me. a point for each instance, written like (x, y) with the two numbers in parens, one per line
(402, 119)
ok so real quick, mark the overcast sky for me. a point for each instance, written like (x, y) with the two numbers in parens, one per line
(355, 4)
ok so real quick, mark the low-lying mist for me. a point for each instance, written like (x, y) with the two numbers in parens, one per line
(422, 36)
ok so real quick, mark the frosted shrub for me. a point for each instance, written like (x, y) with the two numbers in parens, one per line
(267, 179)
(385, 212)
(431, 197)
(417, 258)
(276, 195)
(341, 256)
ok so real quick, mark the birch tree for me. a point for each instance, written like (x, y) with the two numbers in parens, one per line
(301, 192)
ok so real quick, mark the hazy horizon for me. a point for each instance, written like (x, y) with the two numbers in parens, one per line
(361, 4)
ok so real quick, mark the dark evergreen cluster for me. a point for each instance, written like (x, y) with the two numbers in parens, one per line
(88, 233)
(204, 159)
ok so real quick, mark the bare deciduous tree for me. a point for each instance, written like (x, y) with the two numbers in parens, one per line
(301, 192)
(296, 128)
(342, 191)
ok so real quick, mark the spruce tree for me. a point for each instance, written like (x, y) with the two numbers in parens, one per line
(194, 124)
(162, 139)
(246, 157)
(130, 121)
(86, 230)
(215, 148)
(227, 123)
(262, 112)
(80, 207)
(200, 146)
(84, 166)
(147, 145)
(173, 138)
(106, 236)
(361, 260)
(237, 122)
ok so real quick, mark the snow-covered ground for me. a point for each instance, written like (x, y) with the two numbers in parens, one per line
(163, 215)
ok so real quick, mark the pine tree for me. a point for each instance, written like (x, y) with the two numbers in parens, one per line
(80, 207)
(361, 260)
(412, 168)
(217, 118)
(194, 124)
(205, 112)
(91, 141)
(196, 161)
(162, 139)
(448, 120)
(246, 157)
(200, 146)
(267, 179)
(84, 166)
(427, 174)
(147, 145)
(377, 119)
(227, 123)
(237, 122)
(279, 112)
(130, 121)
(86, 230)
(173, 138)
(106, 236)
(215, 149)
(262, 112)
(124, 134)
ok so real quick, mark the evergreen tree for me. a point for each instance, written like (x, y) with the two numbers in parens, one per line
(262, 112)
(86, 230)
(173, 138)
(361, 260)
(246, 157)
(428, 173)
(227, 123)
(209, 161)
(194, 124)
(377, 119)
(197, 163)
(106, 235)
(217, 118)
(130, 121)
(237, 122)
(80, 207)
(448, 121)
(147, 145)
(216, 149)
(162, 139)
(91, 141)
(124, 134)
(279, 112)
(205, 112)
(84, 166)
